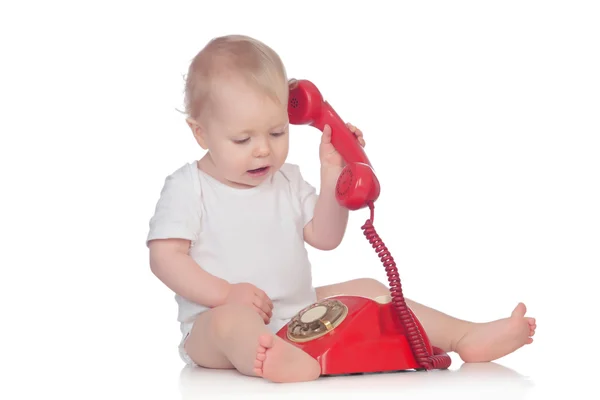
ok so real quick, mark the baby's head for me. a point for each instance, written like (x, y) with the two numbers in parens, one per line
(236, 98)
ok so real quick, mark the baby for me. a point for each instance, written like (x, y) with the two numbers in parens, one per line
(229, 231)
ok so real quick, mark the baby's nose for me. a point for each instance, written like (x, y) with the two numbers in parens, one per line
(262, 150)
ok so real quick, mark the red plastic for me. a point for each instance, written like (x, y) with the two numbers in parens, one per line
(373, 337)
(357, 185)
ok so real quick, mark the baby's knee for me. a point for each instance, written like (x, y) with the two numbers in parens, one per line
(228, 318)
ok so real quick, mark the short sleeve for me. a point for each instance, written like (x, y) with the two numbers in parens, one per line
(177, 214)
(305, 192)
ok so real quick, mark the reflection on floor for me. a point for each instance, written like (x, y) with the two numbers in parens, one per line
(467, 381)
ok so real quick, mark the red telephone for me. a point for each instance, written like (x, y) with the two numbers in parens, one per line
(353, 334)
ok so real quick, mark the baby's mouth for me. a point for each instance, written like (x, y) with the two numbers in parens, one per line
(258, 170)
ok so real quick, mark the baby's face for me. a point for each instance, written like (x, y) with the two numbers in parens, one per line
(247, 136)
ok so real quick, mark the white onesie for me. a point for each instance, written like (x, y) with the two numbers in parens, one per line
(242, 235)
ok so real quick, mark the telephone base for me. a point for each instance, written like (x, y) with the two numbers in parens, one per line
(354, 335)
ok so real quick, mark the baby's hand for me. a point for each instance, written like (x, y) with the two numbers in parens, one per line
(328, 154)
(248, 294)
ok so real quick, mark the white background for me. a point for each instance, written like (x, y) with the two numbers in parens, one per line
(482, 122)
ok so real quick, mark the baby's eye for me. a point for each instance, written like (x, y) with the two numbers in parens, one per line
(277, 133)
(240, 141)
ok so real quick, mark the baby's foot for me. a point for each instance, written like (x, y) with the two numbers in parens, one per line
(279, 361)
(489, 341)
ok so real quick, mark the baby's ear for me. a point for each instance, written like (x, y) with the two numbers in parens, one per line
(197, 131)
(191, 123)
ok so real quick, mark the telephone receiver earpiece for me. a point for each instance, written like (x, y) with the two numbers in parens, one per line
(357, 185)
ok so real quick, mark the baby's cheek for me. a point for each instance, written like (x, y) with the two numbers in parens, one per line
(240, 161)
(231, 158)
(281, 150)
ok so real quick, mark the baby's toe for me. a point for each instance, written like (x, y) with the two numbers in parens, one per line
(261, 356)
(265, 342)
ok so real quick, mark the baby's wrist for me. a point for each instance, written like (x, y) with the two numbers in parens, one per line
(330, 174)
(223, 289)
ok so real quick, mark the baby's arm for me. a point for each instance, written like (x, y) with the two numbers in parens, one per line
(330, 219)
(176, 222)
(170, 262)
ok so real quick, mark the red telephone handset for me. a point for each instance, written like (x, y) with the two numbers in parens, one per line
(357, 185)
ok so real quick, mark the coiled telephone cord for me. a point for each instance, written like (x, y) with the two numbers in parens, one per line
(439, 359)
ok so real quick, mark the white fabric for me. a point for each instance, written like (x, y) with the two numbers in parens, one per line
(242, 235)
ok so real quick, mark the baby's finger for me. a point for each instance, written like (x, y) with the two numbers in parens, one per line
(262, 315)
(263, 305)
(357, 132)
(260, 302)
(265, 298)
(257, 302)
(326, 137)
(262, 308)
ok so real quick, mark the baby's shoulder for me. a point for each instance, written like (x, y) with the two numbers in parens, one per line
(182, 179)
(184, 171)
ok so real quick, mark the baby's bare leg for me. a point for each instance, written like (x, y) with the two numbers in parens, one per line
(474, 342)
(233, 336)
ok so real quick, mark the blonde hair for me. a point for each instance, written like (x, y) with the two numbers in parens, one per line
(233, 56)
